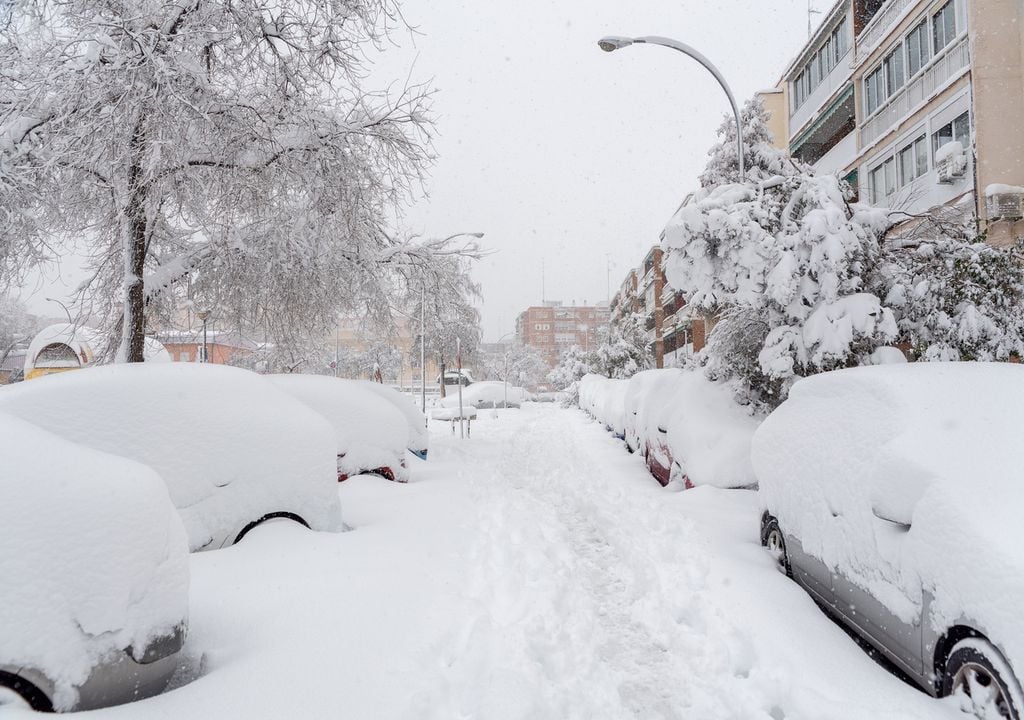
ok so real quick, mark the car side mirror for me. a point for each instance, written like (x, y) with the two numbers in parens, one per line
(662, 429)
(902, 524)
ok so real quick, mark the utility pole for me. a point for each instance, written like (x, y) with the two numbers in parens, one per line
(423, 351)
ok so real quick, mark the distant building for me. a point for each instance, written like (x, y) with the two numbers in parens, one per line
(553, 328)
(222, 347)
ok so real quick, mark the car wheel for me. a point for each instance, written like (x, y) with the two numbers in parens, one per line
(977, 673)
(270, 516)
(18, 692)
(773, 539)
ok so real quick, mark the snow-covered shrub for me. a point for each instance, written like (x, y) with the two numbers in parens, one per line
(781, 259)
(623, 350)
(572, 366)
(956, 299)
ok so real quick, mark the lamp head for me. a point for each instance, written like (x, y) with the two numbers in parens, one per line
(613, 42)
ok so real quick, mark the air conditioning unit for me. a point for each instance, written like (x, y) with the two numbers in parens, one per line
(950, 162)
(1006, 206)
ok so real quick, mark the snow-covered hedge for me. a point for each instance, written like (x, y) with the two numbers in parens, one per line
(230, 447)
(94, 560)
(907, 479)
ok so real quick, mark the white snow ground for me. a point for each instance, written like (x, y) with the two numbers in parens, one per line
(533, 571)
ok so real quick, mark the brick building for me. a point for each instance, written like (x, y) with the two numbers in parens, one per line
(672, 332)
(553, 328)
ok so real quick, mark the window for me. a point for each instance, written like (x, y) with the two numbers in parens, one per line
(185, 356)
(943, 27)
(893, 68)
(913, 161)
(917, 48)
(959, 129)
(883, 181)
(821, 63)
(874, 93)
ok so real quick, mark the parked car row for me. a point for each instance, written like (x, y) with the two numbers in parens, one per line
(686, 428)
(111, 475)
(891, 494)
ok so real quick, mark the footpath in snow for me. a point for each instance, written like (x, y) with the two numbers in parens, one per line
(532, 571)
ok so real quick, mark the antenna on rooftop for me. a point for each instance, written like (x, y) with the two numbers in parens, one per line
(811, 12)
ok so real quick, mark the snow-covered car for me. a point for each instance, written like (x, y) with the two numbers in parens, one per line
(233, 450)
(93, 574)
(487, 394)
(370, 433)
(592, 389)
(419, 438)
(690, 429)
(640, 400)
(893, 496)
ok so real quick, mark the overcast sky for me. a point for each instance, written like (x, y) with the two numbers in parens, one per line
(567, 156)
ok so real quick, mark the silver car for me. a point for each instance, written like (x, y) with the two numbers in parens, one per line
(892, 495)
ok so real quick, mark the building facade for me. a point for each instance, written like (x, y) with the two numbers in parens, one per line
(917, 103)
(553, 328)
(671, 331)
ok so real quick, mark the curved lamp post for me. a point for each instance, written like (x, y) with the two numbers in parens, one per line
(614, 42)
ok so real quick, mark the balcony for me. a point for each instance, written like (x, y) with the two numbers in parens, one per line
(879, 26)
(836, 159)
(827, 88)
(943, 69)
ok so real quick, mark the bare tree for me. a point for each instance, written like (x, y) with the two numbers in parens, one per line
(227, 141)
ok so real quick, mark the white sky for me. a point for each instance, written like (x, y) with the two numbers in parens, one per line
(562, 154)
(568, 155)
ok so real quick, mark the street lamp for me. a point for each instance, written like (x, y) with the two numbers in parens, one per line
(423, 314)
(614, 42)
(505, 374)
(66, 311)
(204, 315)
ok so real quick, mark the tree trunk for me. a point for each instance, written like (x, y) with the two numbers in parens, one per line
(442, 380)
(133, 343)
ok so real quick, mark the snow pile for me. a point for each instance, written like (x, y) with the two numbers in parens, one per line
(369, 431)
(486, 394)
(230, 447)
(855, 456)
(95, 558)
(419, 438)
(612, 408)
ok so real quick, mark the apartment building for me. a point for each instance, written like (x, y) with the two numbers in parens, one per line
(917, 103)
(671, 331)
(553, 328)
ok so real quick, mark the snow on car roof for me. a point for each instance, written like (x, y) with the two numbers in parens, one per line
(95, 557)
(229, 445)
(368, 430)
(419, 438)
(907, 478)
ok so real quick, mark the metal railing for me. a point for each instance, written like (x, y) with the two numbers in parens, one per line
(940, 71)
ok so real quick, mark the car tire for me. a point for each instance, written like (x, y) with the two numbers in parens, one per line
(975, 666)
(774, 541)
(31, 695)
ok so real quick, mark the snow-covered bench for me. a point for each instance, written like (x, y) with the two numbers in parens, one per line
(451, 415)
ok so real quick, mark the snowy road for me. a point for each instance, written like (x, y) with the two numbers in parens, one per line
(533, 571)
